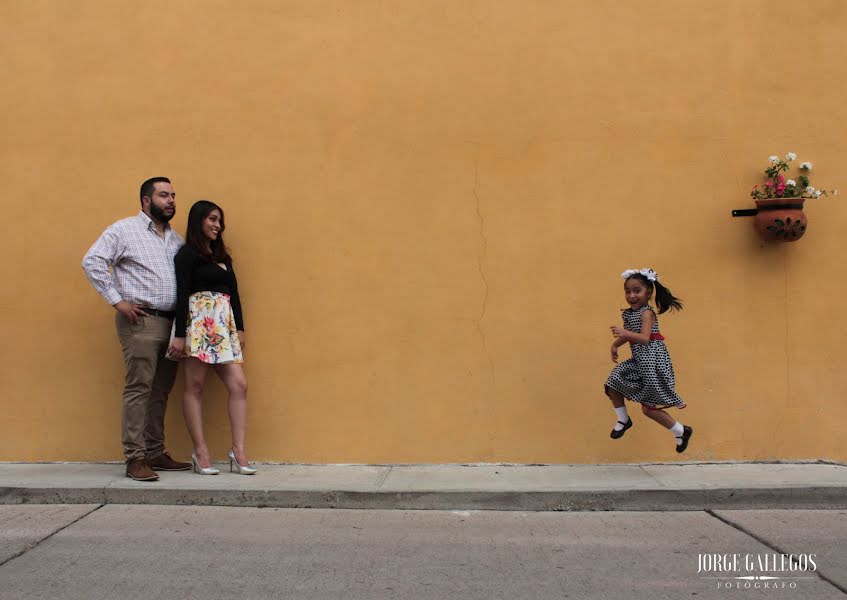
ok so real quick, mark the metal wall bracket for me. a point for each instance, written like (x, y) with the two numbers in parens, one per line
(745, 212)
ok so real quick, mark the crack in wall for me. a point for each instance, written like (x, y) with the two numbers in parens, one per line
(480, 262)
(781, 421)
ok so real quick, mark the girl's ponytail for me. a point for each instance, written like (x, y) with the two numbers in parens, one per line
(665, 300)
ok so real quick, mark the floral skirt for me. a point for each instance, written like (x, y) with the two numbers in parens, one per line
(211, 335)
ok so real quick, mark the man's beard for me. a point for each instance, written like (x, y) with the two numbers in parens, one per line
(159, 214)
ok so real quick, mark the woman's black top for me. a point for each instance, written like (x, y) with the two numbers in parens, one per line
(198, 273)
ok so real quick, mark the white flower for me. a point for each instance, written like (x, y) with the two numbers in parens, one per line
(628, 273)
(790, 182)
(774, 159)
(834, 192)
(810, 190)
(790, 156)
(806, 165)
(818, 194)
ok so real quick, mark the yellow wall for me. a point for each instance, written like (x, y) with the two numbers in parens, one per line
(429, 204)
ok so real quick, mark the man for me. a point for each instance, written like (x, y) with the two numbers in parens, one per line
(132, 266)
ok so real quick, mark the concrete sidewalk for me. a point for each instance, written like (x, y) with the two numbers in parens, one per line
(639, 487)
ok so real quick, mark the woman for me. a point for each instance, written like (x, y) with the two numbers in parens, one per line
(209, 306)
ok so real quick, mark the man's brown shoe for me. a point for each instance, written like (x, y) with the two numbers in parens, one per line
(139, 470)
(164, 462)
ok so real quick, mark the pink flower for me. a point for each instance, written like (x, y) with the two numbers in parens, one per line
(780, 178)
(209, 325)
(769, 184)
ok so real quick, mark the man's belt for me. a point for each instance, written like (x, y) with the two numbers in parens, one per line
(155, 312)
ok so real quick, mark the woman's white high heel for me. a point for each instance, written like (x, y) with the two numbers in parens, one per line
(241, 470)
(202, 470)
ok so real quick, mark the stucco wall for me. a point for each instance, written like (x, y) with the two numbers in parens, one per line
(429, 204)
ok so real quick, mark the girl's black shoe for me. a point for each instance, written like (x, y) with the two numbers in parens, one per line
(617, 434)
(686, 435)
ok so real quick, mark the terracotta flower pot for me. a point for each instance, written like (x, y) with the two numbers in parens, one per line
(780, 219)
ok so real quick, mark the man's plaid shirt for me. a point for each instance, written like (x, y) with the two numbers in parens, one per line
(141, 261)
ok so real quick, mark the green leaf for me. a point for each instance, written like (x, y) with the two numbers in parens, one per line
(779, 222)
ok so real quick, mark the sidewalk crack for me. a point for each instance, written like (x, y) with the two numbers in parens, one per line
(770, 545)
(383, 477)
(650, 475)
(37, 543)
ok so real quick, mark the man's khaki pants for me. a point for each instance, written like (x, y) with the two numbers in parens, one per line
(149, 379)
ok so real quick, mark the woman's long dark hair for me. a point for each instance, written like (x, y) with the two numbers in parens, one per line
(664, 299)
(195, 238)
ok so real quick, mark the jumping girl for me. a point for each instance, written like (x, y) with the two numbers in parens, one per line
(647, 377)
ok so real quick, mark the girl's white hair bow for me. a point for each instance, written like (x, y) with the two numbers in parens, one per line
(650, 274)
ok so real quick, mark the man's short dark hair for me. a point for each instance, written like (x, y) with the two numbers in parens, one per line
(149, 186)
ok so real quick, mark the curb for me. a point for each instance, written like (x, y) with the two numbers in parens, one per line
(795, 498)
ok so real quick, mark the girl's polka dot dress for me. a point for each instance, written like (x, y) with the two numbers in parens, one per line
(648, 376)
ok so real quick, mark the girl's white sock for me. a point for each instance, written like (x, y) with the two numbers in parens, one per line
(623, 417)
(677, 431)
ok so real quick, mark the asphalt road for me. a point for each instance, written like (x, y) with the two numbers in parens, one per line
(185, 552)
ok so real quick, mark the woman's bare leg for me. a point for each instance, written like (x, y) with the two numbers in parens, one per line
(235, 380)
(192, 407)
